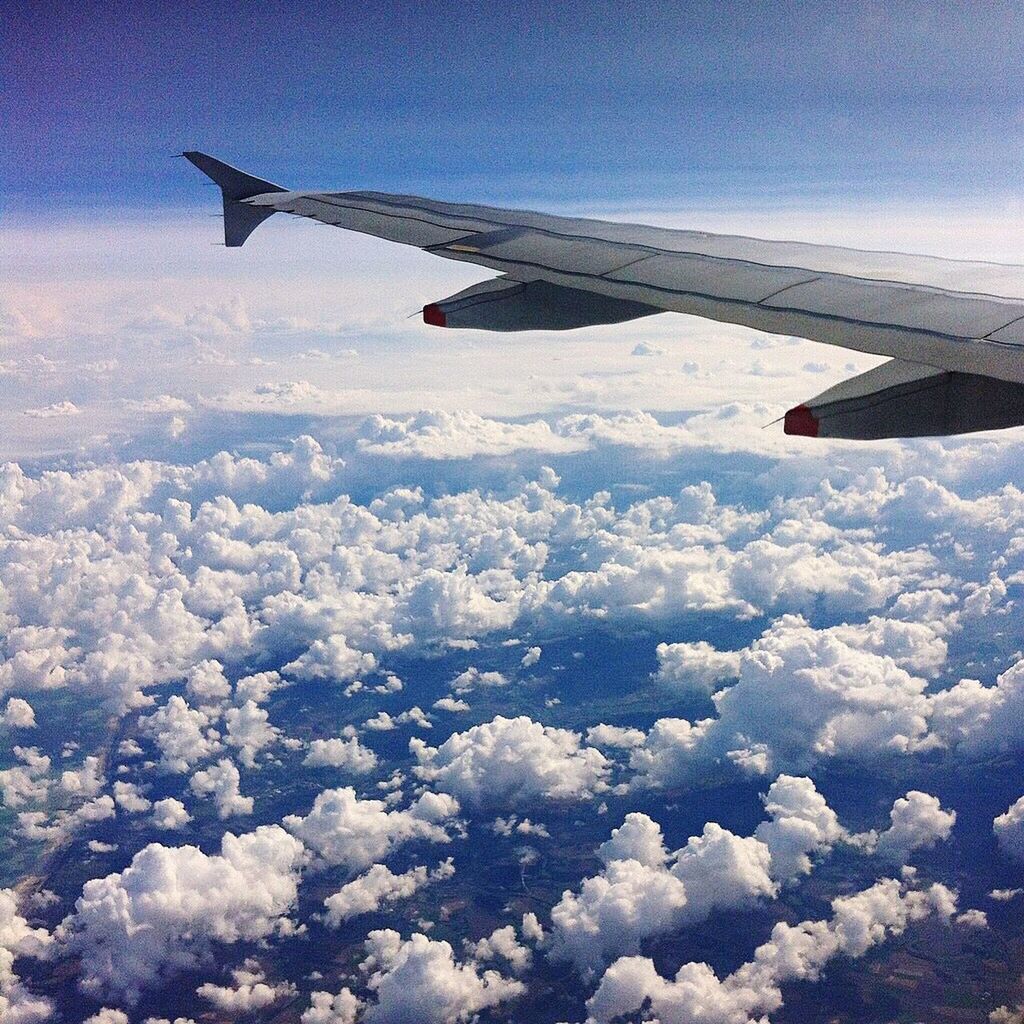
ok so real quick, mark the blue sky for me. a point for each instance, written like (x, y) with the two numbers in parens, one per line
(578, 102)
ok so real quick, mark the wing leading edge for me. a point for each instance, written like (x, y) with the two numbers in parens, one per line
(961, 319)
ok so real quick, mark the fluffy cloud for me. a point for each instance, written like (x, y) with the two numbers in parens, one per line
(502, 944)
(639, 894)
(512, 761)
(115, 609)
(458, 435)
(300, 471)
(343, 830)
(384, 722)
(450, 704)
(158, 404)
(532, 929)
(1006, 1015)
(918, 822)
(721, 870)
(28, 782)
(973, 918)
(644, 890)
(257, 687)
(325, 1008)
(513, 825)
(802, 825)
(128, 797)
(65, 408)
(695, 667)
(206, 683)
(849, 690)
(183, 734)
(18, 1005)
(1009, 829)
(841, 699)
(185, 572)
(380, 886)
(65, 823)
(221, 781)
(331, 658)
(170, 814)
(793, 952)
(139, 926)
(638, 838)
(1005, 895)
(531, 657)
(615, 736)
(107, 1015)
(349, 754)
(420, 979)
(249, 990)
(613, 912)
(85, 781)
(249, 730)
(472, 679)
(981, 719)
(18, 714)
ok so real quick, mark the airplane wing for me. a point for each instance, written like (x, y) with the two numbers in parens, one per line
(955, 329)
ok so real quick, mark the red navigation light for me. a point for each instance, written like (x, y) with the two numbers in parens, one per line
(434, 315)
(801, 421)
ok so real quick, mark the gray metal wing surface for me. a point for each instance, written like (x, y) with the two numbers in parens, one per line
(959, 317)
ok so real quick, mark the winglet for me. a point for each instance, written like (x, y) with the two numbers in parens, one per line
(240, 220)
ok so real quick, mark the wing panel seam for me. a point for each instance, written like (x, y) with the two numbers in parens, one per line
(795, 284)
(988, 337)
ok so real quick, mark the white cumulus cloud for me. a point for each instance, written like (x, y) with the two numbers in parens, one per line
(335, 752)
(222, 781)
(420, 979)
(1009, 829)
(380, 886)
(343, 830)
(249, 990)
(137, 927)
(512, 760)
(793, 952)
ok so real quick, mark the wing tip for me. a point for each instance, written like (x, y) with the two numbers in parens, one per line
(801, 422)
(240, 219)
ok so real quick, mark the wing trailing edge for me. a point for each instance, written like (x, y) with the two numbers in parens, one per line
(903, 399)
